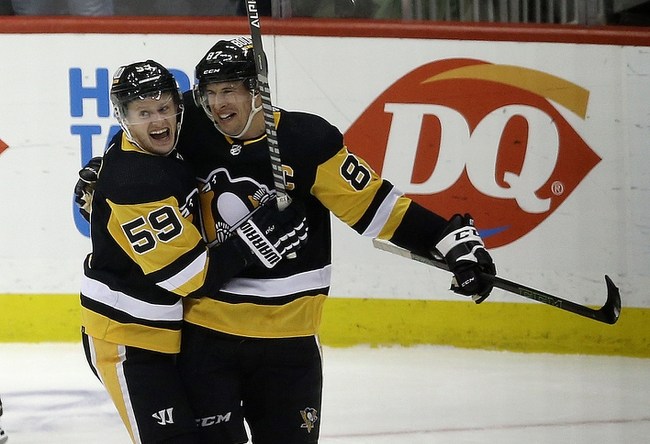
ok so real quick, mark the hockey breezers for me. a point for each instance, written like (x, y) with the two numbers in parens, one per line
(607, 314)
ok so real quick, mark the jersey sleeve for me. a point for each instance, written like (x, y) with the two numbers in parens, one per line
(165, 245)
(373, 206)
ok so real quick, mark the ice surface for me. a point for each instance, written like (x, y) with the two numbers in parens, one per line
(396, 395)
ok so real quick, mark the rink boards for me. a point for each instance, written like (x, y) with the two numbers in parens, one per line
(541, 133)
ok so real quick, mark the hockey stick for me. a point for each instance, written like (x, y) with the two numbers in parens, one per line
(608, 313)
(261, 66)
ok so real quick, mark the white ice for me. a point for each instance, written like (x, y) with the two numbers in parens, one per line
(396, 395)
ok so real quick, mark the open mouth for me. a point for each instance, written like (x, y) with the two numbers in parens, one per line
(226, 117)
(161, 134)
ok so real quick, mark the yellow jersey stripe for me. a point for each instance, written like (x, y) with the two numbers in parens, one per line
(136, 335)
(189, 278)
(395, 219)
(301, 317)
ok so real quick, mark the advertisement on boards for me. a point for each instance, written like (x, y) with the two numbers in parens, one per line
(533, 139)
(524, 136)
(499, 147)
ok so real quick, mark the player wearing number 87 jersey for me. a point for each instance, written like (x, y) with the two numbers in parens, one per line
(251, 349)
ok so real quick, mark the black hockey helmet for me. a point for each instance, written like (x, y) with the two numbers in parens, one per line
(228, 60)
(140, 80)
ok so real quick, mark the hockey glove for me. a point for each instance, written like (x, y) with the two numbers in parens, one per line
(271, 234)
(85, 187)
(463, 250)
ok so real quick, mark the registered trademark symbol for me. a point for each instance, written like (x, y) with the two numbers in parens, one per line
(557, 188)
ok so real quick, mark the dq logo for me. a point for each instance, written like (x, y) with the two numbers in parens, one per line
(3, 146)
(465, 135)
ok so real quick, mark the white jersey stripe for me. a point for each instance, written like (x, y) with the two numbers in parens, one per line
(278, 287)
(179, 279)
(383, 213)
(93, 357)
(102, 293)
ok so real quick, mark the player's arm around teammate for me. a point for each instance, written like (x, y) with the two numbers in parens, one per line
(148, 253)
(259, 332)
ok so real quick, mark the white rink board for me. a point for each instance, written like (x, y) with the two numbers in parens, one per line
(601, 228)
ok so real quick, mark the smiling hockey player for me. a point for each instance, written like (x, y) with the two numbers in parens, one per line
(148, 253)
(250, 351)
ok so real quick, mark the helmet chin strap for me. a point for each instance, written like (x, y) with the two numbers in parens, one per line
(254, 110)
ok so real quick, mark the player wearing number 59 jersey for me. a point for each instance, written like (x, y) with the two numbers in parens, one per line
(148, 253)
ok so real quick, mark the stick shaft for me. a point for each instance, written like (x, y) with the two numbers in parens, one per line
(608, 314)
(261, 66)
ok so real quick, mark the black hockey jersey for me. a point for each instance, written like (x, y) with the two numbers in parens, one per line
(147, 249)
(321, 174)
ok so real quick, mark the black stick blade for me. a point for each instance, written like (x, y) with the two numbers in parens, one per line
(612, 308)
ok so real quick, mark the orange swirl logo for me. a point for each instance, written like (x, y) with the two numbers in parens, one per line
(463, 135)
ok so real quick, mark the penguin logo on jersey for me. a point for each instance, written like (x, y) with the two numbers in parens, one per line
(235, 149)
(309, 417)
(189, 209)
(227, 201)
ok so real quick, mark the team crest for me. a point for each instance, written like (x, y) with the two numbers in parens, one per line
(227, 201)
(309, 418)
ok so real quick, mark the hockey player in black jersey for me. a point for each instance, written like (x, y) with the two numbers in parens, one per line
(148, 253)
(250, 351)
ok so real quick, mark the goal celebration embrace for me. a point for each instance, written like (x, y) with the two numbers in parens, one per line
(250, 347)
(210, 216)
